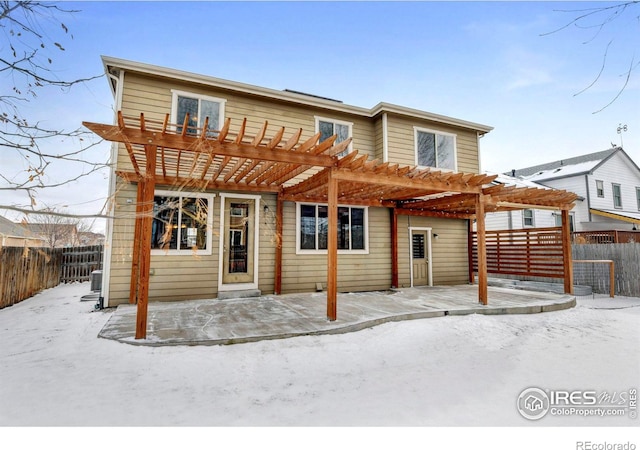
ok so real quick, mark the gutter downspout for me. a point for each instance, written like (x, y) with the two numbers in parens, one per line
(385, 139)
(586, 185)
(106, 265)
(478, 137)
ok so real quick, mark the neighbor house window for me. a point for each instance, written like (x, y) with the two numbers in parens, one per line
(558, 220)
(638, 197)
(600, 188)
(329, 127)
(435, 149)
(313, 226)
(199, 107)
(181, 222)
(617, 195)
(527, 218)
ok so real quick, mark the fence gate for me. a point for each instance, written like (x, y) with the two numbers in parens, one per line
(79, 262)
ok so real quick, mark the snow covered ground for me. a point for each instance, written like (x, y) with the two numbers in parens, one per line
(452, 371)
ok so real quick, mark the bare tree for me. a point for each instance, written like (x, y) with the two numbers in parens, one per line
(597, 22)
(55, 226)
(33, 34)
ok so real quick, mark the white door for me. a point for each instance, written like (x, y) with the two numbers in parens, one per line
(238, 251)
(420, 257)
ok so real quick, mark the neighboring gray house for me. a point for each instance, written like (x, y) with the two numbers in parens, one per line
(521, 218)
(16, 235)
(607, 182)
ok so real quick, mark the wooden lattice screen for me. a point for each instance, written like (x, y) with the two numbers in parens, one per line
(533, 252)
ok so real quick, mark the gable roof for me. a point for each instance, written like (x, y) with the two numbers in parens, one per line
(113, 66)
(508, 180)
(563, 168)
(9, 228)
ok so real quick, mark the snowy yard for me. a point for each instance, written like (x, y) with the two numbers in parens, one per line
(449, 371)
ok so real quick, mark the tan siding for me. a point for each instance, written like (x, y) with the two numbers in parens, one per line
(449, 251)
(153, 97)
(402, 142)
(355, 272)
(379, 139)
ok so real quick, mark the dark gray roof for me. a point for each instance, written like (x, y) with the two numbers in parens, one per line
(597, 156)
(9, 228)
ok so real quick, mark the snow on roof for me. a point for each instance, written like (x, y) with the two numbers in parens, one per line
(516, 181)
(592, 158)
(563, 171)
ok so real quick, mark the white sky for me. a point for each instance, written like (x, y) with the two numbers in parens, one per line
(486, 62)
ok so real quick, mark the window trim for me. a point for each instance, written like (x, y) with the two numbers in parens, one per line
(417, 130)
(174, 104)
(600, 187)
(188, 251)
(364, 251)
(533, 218)
(613, 194)
(319, 119)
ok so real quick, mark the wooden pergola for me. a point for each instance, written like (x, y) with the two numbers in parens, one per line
(198, 158)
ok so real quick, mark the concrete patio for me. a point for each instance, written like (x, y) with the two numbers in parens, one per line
(231, 321)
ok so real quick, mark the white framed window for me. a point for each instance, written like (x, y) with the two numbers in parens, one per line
(312, 227)
(435, 149)
(328, 127)
(182, 223)
(638, 197)
(528, 218)
(600, 188)
(198, 107)
(617, 195)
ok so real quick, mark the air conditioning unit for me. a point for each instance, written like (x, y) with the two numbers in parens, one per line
(96, 280)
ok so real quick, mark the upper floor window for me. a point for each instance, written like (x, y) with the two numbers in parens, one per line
(329, 127)
(435, 149)
(617, 195)
(181, 222)
(638, 197)
(600, 188)
(528, 218)
(313, 226)
(199, 107)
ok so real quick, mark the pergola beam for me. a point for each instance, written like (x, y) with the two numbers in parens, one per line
(194, 144)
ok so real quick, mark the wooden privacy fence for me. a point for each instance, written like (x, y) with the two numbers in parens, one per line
(626, 260)
(79, 262)
(606, 237)
(26, 271)
(535, 252)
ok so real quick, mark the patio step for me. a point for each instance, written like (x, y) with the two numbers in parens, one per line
(248, 293)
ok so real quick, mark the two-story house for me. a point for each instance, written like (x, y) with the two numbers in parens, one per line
(607, 183)
(221, 188)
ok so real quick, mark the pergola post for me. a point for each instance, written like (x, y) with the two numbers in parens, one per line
(277, 287)
(332, 248)
(567, 257)
(482, 251)
(470, 249)
(135, 260)
(149, 184)
(394, 248)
